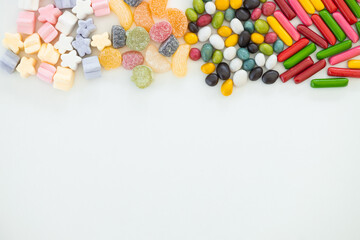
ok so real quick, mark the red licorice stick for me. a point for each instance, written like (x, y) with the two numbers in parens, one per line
(344, 72)
(345, 11)
(286, 9)
(311, 71)
(330, 5)
(312, 36)
(295, 70)
(293, 49)
(324, 29)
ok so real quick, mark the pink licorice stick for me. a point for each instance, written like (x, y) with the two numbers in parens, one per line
(300, 12)
(291, 30)
(345, 26)
(341, 57)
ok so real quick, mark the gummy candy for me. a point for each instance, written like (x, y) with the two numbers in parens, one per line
(118, 36)
(123, 11)
(156, 61)
(133, 3)
(137, 39)
(169, 47)
(179, 60)
(160, 31)
(158, 8)
(110, 58)
(142, 76)
(178, 21)
(142, 16)
(132, 59)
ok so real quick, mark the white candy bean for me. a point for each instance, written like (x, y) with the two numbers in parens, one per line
(210, 8)
(240, 78)
(217, 42)
(271, 62)
(204, 34)
(230, 53)
(235, 64)
(260, 59)
(236, 26)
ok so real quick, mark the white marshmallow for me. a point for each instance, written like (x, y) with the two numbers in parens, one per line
(66, 23)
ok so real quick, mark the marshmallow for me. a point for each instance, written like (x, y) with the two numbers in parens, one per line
(64, 79)
(32, 44)
(83, 9)
(82, 45)
(46, 72)
(86, 27)
(47, 32)
(91, 67)
(9, 61)
(13, 42)
(48, 54)
(66, 23)
(62, 4)
(26, 67)
(26, 22)
(31, 5)
(49, 14)
(64, 44)
(70, 60)
(101, 41)
(101, 7)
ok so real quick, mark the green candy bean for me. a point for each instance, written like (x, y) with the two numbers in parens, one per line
(217, 57)
(299, 56)
(218, 20)
(266, 49)
(191, 15)
(199, 6)
(207, 52)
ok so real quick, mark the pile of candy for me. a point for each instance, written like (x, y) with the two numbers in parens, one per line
(143, 58)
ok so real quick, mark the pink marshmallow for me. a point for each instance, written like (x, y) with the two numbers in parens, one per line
(101, 7)
(49, 14)
(341, 57)
(26, 22)
(345, 26)
(46, 72)
(47, 32)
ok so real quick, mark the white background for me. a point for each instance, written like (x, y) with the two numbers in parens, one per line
(178, 160)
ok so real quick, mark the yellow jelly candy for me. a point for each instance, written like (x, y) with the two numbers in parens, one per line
(236, 4)
(64, 79)
(208, 68)
(156, 61)
(13, 42)
(222, 5)
(179, 60)
(227, 87)
(142, 16)
(224, 31)
(110, 58)
(191, 38)
(178, 21)
(48, 54)
(158, 8)
(123, 12)
(257, 38)
(32, 44)
(232, 40)
(26, 67)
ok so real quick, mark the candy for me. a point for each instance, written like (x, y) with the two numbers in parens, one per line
(179, 60)
(256, 74)
(91, 67)
(309, 72)
(235, 65)
(270, 77)
(229, 14)
(191, 15)
(343, 72)
(217, 42)
(30, 5)
(169, 47)
(13, 42)
(268, 8)
(82, 45)
(142, 16)
(341, 57)
(70, 60)
(299, 56)
(271, 62)
(137, 39)
(32, 44)
(86, 27)
(48, 54)
(157, 62)
(242, 14)
(26, 68)
(279, 30)
(204, 20)
(345, 11)
(312, 36)
(118, 36)
(63, 79)
(204, 34)
(210, 8)
(236, 26)
(300, 12)
(218, 20)
(256, 14)
(82, 9)
(47, 32)
(249, 64)
(66, 23)
(132, 59)
(296, 47)
(100, 7)
(260, 59)
(236, 4)
(199, 6)
(244, 38)
(208, 68)
(178, 21)
(191, 38)
(123, 12)
(217, 57)
(9, 61)
(286, 9)
(142, 76)
(26, 22)
(262, 26)
(249, 26)
(133, 3)
(230, 53)
(192, 27)
(243, 53)
(158, 8)
(49, 13)
(224, 31)
(330, 5)
(212, 80)
(100, 41)
(345, 26)
(222, 5)
(270, 38)
(62, 4)
(318, 5)
(195, 54)
(251, 4)
(266, 49)
(110, 58)
(160, 31)
(256, 38)
(333, 50)
(227, 88)
(278, 46)
(46, 72)
(324, 30)
(240, 78)
(207, 52)
(329, 82)
(295, 70)
(307, 5)
(355, 64)
(354, 7)
(286, 24)
(331, 23)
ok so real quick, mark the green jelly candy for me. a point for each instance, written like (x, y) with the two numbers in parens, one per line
(249, 26)
(218, 20)
(331, 51)
(266, 49)
(217, 57)
(261, 26)
(243, 54)
(249, 64)
(332, 24)
(142, 76)
(229, 14)
(354, 7)
(199, 6)
(278, 46)
(207, 52)
(191, 15)
(137, 39)
(299, 56)
(329, 82)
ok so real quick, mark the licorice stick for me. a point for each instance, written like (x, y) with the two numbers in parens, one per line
(300, 12)
(279, 30)
(341, 57)
(301, 55)
(344, 72)
(329, 82)
(333, 50)
(296, 47)
(307, 6)
(312, 36)
(286, 9)
(295, 70)
(354, 7)
(345, 11)
(357, 25)
(330, 5)
(287, 25)
(318, 4)
(324, 30)
(345, 26)
(354, 64)
(311, 71)
(332, 24)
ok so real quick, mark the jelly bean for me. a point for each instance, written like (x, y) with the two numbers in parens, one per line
(329, 82)
(70, 60)
(270, 38)
(300, 12)
(260, 59)
(312, 36)
(26, 67)
(244, 39)
(204, 20)
(249, 64)
(82, 9)
(160, 31)
(133, 3)
(240, 78)
(345, 26)
(293, 49)
(251, 4)
(191, 38)
(26, 22)
(345, 11)
(257, 38)
(218, 20)
(118, 36)
(179, 60)
(270, 77)
(132, 59)
(49, 13)
(204, 34)
(222, 5)
(63, 79)
(266, 49)
(278, 46)
(210, 8)
(224, 31)
(143, 17)
(199, 6)
(330, 5)
(207, 52)
(324, 30)
(253, 48)
(235, 65)
(208, 68)
(217, 42)
(268, 8)
(46, 72)
(227, 88)
(195, 54)
(331, 23)
(242, 14)
(309, 72)
(169, 47)
(158, 8)
(298, 68)
(354, 64)
(286, 9)
(82, 45)
(243, 53)
(232, 40)
(86, 27)
(191, 15)
(14, 42)
(123, 12)
(157, 62)
(286, 24)
(66, 23)
(217, 57)
(229, 14)
(348, 54)
(178, 21)
(142, 76)
(354, 7)
(280, 31)
(230, 53)
(236, 26)
(307, 5)
(192, 27)
(333, 50)
(212, 80)
(249, 26)
(236, 4)
(223, 71)
(262, 26)
(256, 74)
(343, 72)
(271, 62)
(110, 58)
(299, 56)
(318, 5)
(100, 41)
(256, 14)
(9, 61)
(137, 39)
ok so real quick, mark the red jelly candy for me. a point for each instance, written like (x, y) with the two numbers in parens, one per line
(195, 54)
(132, 59)
(160, 31)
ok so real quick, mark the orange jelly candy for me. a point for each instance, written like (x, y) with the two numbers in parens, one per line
(110, 58)
(178, 21)
(143, 17)
(158, 8)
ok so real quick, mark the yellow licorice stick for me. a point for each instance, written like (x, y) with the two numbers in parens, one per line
(280, 31)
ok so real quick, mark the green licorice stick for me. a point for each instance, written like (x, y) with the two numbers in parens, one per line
(332, 24)
(329, 82)
(357, 25)
(299, 56)
(331, 51)
(354, 7)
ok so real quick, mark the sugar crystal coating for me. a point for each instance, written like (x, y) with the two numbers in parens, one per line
(160, 31)
(142, 76)
(156, 61)
(137, 39)
(169, 47)
(118, 36)
(133, 3)
(132, 59)
(143, 16)
(110, 58)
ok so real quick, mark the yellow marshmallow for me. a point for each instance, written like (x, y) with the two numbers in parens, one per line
(13, 42)
(101, 41)
(48, 54)
(32, 44)
(26, 67)
(64, 79)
